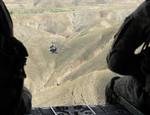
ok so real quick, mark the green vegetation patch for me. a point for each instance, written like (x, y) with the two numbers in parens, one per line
(59, 10)
(39, 10)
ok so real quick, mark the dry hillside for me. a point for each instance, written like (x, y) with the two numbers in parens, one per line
(82, 30)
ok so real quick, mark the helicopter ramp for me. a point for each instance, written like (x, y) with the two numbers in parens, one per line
(82, 110)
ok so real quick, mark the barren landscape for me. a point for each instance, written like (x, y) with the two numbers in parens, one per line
(82, 31)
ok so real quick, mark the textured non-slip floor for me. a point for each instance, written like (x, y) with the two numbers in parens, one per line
(81, 110)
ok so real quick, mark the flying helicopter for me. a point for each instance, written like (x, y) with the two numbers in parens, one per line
(53, 49)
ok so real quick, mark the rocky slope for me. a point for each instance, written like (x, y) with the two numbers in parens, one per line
(82, 30)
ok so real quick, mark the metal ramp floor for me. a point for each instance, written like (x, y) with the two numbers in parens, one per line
(82, 110)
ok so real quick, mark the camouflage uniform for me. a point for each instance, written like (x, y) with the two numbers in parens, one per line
(122, 59)
(15, 100)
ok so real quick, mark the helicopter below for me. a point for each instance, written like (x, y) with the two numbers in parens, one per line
(53, 49)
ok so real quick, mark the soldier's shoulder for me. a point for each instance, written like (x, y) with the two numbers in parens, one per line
(142, 10)
(142, 14)
(147, 6)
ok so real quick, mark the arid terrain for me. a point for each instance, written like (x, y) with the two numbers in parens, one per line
(82, 31)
